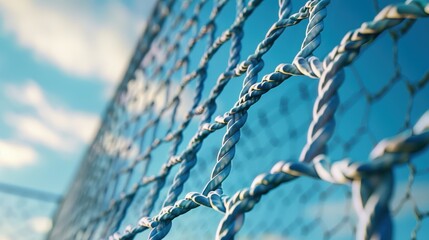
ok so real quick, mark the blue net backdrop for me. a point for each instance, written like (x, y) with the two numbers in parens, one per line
(256, 119)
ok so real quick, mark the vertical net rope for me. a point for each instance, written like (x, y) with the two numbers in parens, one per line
(214, 133)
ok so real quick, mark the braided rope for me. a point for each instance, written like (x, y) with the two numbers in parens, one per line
(231, 227)
(386, 155)
(372, 182)
(312, 68)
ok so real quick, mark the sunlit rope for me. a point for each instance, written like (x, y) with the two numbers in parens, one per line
(372, 182)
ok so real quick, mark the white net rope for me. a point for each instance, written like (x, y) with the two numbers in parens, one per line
(205, 125)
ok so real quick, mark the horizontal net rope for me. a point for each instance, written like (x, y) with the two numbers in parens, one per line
(208, 108)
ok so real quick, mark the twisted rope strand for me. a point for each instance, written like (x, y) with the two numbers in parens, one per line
(372, 182)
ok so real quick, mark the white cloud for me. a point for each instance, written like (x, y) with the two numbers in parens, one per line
(34, 130)
(15, 155)
(84, 40)
(119, 145)
(40, 224)
(139, 95)
(76, 123)
(141, 91)
(52, 125)
(2, 237)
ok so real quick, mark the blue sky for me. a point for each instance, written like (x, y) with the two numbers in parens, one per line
(59, 64)
(61, 60)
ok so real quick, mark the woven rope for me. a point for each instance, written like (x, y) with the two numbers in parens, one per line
(372, 182)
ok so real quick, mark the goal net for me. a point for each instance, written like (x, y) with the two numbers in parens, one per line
(256, 119)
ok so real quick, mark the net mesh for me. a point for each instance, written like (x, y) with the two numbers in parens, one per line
(205, 137)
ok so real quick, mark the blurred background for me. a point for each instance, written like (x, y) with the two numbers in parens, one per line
(60, 62)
